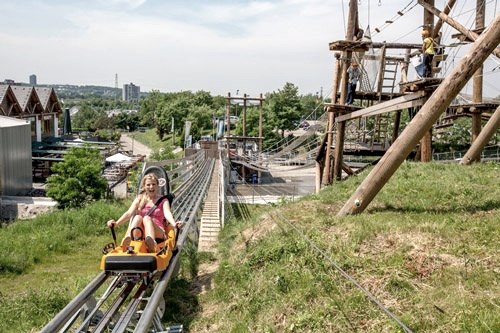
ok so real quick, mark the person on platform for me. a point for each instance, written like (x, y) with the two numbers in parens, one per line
(151, 212)
(428, 52)
(353, 73)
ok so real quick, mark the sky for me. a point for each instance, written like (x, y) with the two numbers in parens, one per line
(220, 46)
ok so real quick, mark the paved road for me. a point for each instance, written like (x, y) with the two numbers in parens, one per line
(137, 148)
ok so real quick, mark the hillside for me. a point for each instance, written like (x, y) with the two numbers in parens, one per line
(426, 249)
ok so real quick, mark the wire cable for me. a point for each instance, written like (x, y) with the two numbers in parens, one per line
(342, 272)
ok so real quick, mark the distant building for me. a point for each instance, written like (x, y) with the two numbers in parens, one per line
(32, 80)
(9, 81)
(131, 92)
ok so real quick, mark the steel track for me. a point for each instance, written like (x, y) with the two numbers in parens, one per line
(118, 308)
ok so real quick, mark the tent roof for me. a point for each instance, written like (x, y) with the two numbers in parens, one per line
(119, 157)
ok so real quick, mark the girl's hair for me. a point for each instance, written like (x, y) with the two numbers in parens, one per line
(144, 197)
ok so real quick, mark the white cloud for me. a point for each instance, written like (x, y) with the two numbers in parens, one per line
(253, 46)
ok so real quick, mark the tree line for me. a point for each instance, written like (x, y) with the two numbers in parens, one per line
(282, 110)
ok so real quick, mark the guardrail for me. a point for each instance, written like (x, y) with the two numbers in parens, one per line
(488, 153)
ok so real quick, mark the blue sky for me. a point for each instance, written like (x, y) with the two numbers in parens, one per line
(218, 46)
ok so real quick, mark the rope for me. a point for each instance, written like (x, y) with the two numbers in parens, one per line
(395, 18)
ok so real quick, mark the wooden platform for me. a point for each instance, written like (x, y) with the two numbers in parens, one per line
(428, 84)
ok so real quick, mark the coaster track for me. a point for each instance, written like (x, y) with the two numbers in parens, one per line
(133, 301)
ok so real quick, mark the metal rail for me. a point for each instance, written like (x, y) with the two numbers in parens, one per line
(191, 179)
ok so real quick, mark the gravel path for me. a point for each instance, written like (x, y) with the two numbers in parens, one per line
(137, 148)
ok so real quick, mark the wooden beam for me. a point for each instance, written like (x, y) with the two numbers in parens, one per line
(439, 24)
(377, 57)
(470, 34)
(488, 131)
(391, 105)
(423, 121)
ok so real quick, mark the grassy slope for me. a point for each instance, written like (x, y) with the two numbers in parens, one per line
(427, 248)
(49, 260)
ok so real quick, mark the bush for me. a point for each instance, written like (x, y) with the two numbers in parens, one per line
(77, 180)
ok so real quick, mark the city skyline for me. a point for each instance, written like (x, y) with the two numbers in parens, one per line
(217, 46)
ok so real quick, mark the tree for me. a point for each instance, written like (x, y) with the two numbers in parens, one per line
(285, 108)
(77, 180)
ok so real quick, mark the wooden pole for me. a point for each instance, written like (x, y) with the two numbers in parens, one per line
(327, 174)
(228, 117)
(477, 80)
(488, 131)
(469, 34)
(244, 116)
(260, 136)
(404, 66)
(439, 23)
(429, 17)
(339, 142)
(426, 142)
(423, 121)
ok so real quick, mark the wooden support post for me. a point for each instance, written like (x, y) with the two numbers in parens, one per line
(423, 121)
(397, 122)
(404, 66)
(260, 133)
(426, 142)
(327, 174)
(228, 124)
(318, 177)
(477, 80)
(381, 71)
(470, 34)
(488, 131)
(429, 17)
(339, 142)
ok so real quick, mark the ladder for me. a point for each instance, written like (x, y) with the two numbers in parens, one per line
(389, 78)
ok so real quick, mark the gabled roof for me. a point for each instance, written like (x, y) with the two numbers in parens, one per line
(48, 99)
(28, 99)
(8, 102)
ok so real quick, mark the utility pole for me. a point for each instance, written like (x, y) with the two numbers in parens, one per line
(424, 120)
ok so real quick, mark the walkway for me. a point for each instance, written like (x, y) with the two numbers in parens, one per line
(210, 216)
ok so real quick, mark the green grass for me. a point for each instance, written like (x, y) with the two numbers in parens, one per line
(426, 247)
(150, 139)
(48, 260)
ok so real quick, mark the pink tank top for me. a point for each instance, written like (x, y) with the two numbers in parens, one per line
(156, 215)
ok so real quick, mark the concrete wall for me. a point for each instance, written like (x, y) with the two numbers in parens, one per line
(15, 156)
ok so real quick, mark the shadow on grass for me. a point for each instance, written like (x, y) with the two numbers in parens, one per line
(472, 208)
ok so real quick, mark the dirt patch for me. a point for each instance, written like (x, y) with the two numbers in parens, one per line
(423, 255)
(255, 232)
(203, 282)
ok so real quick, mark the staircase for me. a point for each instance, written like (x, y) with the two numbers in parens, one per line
(210, 217)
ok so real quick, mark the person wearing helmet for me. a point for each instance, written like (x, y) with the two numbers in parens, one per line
(428, 52)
